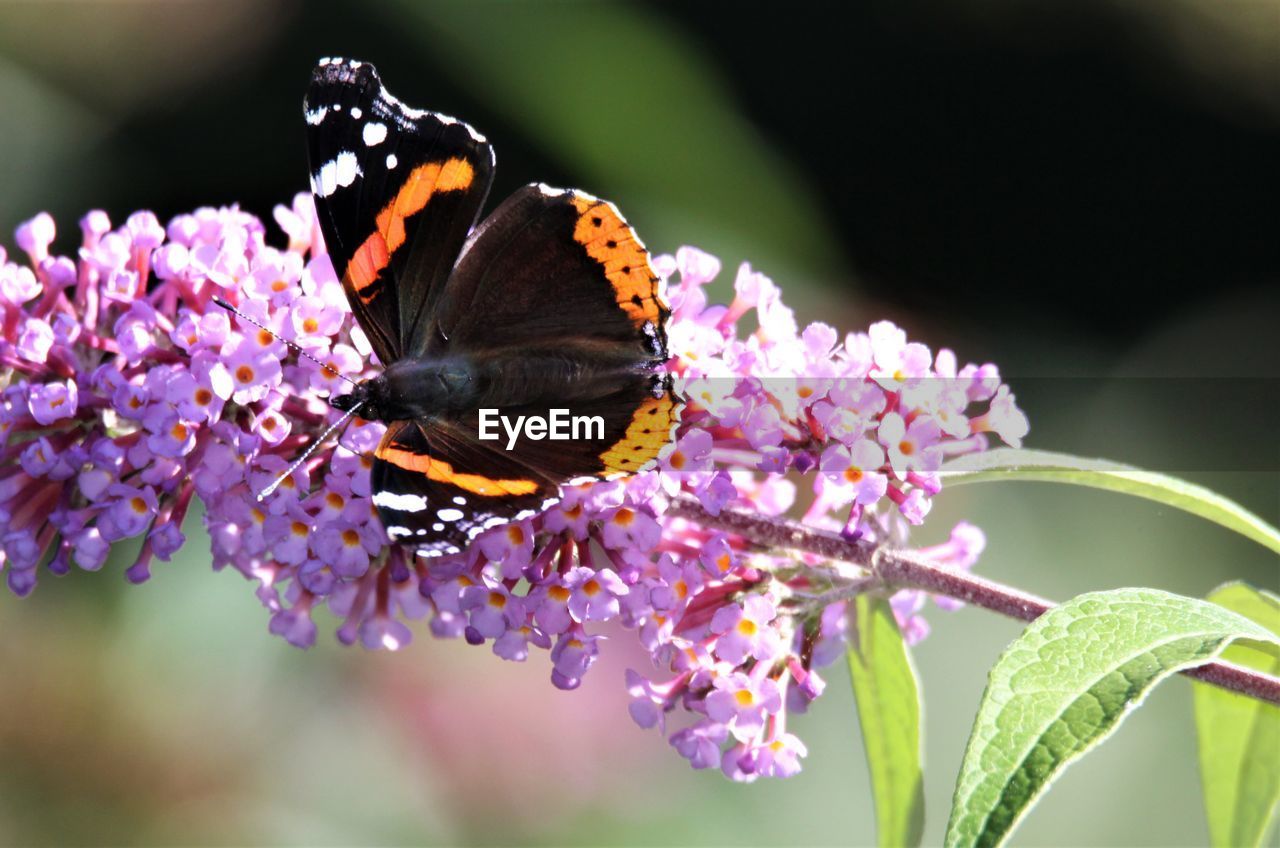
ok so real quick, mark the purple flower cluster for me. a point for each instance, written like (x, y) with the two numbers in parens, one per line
(130, 394)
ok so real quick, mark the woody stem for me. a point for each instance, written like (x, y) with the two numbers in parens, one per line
(904, 569)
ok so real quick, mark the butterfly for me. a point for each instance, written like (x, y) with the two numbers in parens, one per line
(547, 306)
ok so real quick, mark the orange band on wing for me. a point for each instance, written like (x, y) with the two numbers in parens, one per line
(647, 434)
(374, 254)
(610, 241)
(442, 472)
(453, 174)
(367, 262)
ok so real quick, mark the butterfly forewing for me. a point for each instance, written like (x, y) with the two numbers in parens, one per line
(397, 190)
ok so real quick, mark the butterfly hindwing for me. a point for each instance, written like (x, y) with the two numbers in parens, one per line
(437, 484)
(397, 190)
(554, 266)
(436, 487)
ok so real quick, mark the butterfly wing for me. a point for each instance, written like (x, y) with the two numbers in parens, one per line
(436, 487)
(397, 190)
(554, 267)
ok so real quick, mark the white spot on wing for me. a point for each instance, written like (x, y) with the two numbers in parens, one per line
(449, 514)
(325, 181)
(392, 161)
(316, 116)
(348, 168)
(341, 171)
(374, 133)
(459, 500)
(403, 503)
(356, 112)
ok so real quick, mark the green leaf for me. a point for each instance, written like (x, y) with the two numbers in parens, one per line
(884, 685)
(1063, 687)
(1044, 466)
(1240, 737)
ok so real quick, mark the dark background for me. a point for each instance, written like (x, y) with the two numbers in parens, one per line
(1084, 192)
(1083, 168)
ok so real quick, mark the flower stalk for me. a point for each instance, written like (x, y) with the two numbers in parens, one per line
(891, 570)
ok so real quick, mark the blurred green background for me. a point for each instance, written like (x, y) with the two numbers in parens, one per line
(1085, 193)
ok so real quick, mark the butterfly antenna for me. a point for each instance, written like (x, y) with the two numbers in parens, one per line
(294, 345)
(297, 463)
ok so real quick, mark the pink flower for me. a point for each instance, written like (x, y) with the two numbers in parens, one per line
(744, 630)
(853, 474)
(52, 402)
(741, 704)
(594, 594)
(910, 447)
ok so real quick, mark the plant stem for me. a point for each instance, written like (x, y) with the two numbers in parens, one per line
(904, 569)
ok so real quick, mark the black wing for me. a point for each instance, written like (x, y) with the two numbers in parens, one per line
(438, 495)
(554, 267)
(397, 190)
(437, 484)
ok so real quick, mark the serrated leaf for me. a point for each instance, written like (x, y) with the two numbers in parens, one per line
(1009, 464)
(1064, 686)
(1239, 737)
(889, 714)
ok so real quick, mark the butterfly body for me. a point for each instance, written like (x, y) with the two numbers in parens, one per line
(547, 305)
(433, 387)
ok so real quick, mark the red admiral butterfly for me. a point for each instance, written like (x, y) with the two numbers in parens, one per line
(548, 303)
